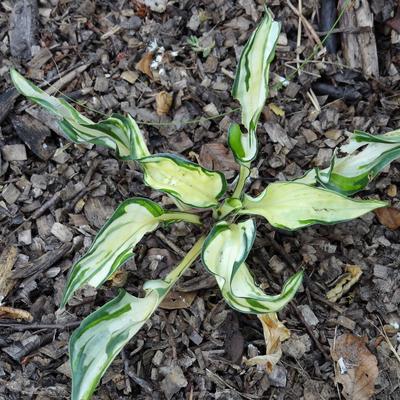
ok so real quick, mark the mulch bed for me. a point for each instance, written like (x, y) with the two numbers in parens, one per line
(127, 57)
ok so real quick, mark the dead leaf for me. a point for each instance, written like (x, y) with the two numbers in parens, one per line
(144, 64)
(163, 102)
(7, 261)
(274, 334)
(352, 275)
(217, 157)
(389, 216)
(177, 300)
(15, 313)
(355, 367)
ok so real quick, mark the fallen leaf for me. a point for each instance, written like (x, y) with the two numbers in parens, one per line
(352, 275)
(144, 64)
(163, 102)
(355, 367)
(217, 157)
(389, 216)
(7, 261)
(177, 300)
(15, 313)
(274, 334)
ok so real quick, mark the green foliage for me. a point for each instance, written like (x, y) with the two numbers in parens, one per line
(317, 198)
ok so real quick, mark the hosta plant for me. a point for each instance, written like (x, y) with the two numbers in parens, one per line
(318, 198)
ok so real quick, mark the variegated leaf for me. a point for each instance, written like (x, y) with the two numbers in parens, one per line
(251, 81)
(114, 243)
(117, 132)
(367, 155)
(186, 181)
(292, 205)
(243, 145)
(103, 334)
(224, 254)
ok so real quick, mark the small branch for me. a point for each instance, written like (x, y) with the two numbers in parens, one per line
(24, 327)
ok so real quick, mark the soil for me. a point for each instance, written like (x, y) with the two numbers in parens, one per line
(56, 195)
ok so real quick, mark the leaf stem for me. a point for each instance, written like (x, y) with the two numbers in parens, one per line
(183, 216)
(186, 262)
(244, 173)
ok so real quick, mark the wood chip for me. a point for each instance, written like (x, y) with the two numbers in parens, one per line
(14, 152)
(23, 28)
(8, 258)
(61, 232)
(10, 193)
(130, 76)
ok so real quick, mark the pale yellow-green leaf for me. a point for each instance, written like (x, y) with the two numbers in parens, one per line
(292, 205)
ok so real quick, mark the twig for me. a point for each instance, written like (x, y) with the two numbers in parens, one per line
(298, 44)
(310, 332)
(128, 387)
(307, 25)
(170, 244)
(23, 327)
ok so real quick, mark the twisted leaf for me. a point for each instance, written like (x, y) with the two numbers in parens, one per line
(367, 155)
(117, 132)
(224, 254)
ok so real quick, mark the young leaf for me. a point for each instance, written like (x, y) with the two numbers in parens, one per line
(117, 132)
(243, 145)
(251, 81)
(224, 254)
(186, 181)
(103, 334)
(113, 244)
(367, 155)
(292, 205)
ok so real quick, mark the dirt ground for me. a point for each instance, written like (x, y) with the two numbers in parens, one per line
(128, 57)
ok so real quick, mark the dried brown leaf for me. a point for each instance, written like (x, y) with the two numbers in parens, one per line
(389, 216)
(15, 313)
(163, 102)
(355, 367)
(177, 300)
(216, 156)
(144, 64)
(345, 283)
(274, 334)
